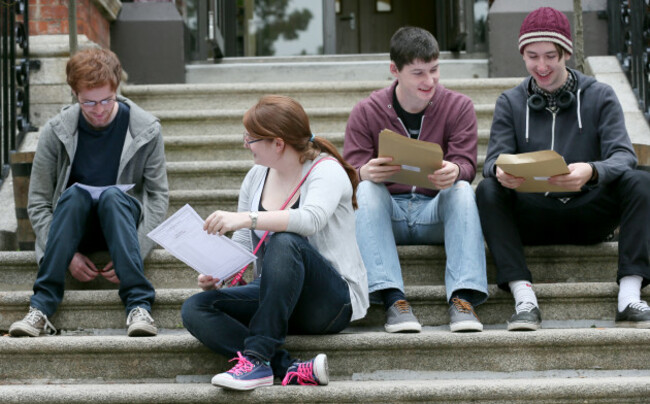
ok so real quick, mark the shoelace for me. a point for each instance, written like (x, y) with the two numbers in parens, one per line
(138, 313)
(524, 306)
(304, 375)
(35, 315)
(463, 306)
(403, 306)
(641, 305)
(243, 366)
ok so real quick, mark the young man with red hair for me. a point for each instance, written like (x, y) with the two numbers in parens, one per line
(102, 141)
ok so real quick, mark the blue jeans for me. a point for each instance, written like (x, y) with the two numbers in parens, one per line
(299, 292)
(81, 225)
(451, 217)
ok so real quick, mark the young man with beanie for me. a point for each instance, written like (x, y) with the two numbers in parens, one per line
(416, 105)
(101, 141)
(561, 109)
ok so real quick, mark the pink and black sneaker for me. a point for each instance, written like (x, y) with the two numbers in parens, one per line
(247, 374)
(310, 373)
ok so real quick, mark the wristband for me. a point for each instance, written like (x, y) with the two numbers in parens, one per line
(594, 173)
(253, 216)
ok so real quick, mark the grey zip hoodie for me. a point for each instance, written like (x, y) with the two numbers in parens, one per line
(592, 130)
(142, 163)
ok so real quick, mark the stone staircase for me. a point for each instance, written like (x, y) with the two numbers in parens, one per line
(577, 356)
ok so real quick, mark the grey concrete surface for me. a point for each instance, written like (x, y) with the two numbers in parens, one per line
(324, 68)
(167, 356)
(310, 94)
(88, 309)
(556, 391)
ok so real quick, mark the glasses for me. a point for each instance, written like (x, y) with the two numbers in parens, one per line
(92, 104)
(248, 141)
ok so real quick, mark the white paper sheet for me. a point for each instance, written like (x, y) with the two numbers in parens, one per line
(95, 192)
(183, 236)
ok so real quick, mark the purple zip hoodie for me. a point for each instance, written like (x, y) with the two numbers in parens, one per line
(449, 120)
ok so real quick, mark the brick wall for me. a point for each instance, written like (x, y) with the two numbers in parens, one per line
(50, 17)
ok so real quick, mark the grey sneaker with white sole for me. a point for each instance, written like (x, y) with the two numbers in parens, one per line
(34, 324)
(400, 318)
(140, 323)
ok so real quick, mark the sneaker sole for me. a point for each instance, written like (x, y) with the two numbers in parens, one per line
(21, 330)
(466, 326)
(228, 382)
(633, 324)
(403, 327)
(321, 370)
(143, 330)
(523, 326)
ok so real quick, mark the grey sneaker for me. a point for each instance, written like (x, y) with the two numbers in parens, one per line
(463, 317)
(34, 324)
(527, 317)
(140, 323)
(400, 318)
(635, 315)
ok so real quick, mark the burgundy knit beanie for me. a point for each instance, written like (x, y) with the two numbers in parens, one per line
(546, 24)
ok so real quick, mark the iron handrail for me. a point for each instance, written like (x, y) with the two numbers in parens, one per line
(14, 76)
(629, 40)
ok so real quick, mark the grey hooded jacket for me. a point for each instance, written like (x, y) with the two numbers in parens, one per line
(142, 163)
(592, 130)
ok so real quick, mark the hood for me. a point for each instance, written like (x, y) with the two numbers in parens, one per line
(584, 82)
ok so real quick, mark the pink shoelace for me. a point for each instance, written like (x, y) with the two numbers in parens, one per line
(243, 366)
(304, 375)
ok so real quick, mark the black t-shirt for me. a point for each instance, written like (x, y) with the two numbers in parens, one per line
(98, 153)
(413, 122)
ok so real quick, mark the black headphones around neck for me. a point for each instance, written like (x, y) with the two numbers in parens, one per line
(538, 102)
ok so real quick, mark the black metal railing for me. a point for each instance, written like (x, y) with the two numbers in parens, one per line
(629, 40)
(14, 76)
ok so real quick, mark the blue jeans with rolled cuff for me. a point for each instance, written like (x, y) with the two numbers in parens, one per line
(299, 292)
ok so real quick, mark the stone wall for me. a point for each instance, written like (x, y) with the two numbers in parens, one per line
(50, 17)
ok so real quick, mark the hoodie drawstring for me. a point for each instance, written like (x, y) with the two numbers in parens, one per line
(578, 110)
(527, 117)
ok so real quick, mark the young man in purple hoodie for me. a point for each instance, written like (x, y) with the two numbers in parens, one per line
(417, 106)
(564, 110)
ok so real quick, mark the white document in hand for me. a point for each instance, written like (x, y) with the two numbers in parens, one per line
(183, 236)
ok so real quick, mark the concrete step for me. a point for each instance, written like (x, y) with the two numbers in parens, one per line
(556, 390)
(203, 201)
(18, 272)
(325, 68)
(230, 147)
(90, 309)
(175, 355)
(229, 121)
(211, 175)
(219, 147)
(421, 266)
(228, 95)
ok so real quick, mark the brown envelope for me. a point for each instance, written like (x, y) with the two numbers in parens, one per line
(416, 157)
(536, 168)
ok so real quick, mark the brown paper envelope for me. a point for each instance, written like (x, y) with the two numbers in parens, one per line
(536, 168)
(416, 157)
